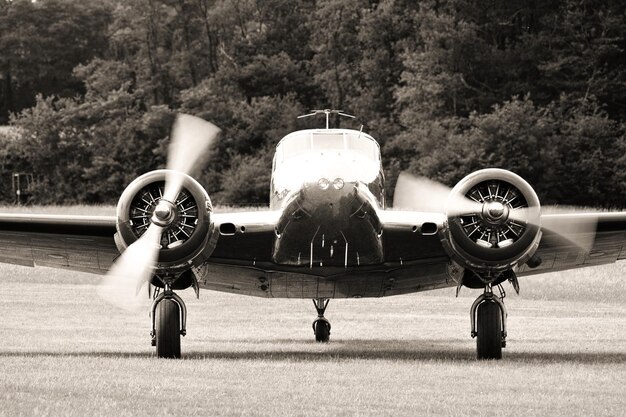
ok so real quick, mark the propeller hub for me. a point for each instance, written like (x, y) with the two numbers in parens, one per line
(164, 213)
(495, 212)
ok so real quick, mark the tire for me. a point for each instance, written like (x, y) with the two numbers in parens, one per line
(489, 329)
(322, 331)
(168, 329)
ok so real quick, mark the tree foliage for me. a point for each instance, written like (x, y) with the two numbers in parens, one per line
(447, 87)
(41, 43)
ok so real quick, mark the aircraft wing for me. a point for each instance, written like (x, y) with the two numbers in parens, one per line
(83, 243)
(86, 243)
(410, 236)
(592, 239)
(245, 236)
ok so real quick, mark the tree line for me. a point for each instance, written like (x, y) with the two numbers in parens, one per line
(447, 87)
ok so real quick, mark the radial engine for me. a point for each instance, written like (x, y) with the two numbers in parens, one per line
(189, 237)
(493, 224)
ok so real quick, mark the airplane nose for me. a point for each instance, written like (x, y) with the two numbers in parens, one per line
(335, 195)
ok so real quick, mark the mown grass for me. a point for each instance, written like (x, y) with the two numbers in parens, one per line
(66, 352)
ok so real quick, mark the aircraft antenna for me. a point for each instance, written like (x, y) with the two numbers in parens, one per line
(327, 113)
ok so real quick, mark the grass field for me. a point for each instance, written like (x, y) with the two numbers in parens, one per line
(63, 351)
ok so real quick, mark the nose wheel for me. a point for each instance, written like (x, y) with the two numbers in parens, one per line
(321, 326)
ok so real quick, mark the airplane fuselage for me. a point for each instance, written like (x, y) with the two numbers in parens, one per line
(328, 183)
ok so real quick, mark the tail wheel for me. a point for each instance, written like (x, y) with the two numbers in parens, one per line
(489, 331)
(321, 327)
(168, 329)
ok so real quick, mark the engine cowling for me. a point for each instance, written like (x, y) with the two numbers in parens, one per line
(493, 237)
(187, 241)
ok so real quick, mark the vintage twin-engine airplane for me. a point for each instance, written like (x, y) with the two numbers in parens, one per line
(328, 234)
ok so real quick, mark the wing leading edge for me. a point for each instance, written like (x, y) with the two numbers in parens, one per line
(86, 243)
(82, 243)
(607, 242)
(604, 234)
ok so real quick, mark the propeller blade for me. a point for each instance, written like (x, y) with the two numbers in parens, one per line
(190, 139)
(422, 194)
(573, 225)
(122, 284)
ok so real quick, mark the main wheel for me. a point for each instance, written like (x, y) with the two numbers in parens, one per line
(168, 329)
(489, 329)
(321, 327)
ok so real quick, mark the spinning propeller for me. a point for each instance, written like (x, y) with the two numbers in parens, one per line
(421, 194)
(191, 137)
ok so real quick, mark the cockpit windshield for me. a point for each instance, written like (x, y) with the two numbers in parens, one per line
(308, 141)
(327, 141)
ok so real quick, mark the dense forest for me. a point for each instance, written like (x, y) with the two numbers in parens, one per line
(91, 88)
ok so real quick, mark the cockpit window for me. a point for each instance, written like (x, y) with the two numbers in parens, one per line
(325, 141)
(296, 145)
(364, 146)
(303, 142)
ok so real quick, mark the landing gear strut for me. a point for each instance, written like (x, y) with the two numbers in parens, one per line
(169, 319)
(321, 326)
(488, 319)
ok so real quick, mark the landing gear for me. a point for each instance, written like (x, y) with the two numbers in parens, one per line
(321, 326)
(169, 317)
(167, 329)
(488, 318)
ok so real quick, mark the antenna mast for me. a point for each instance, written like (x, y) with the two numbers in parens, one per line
(327, 112)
